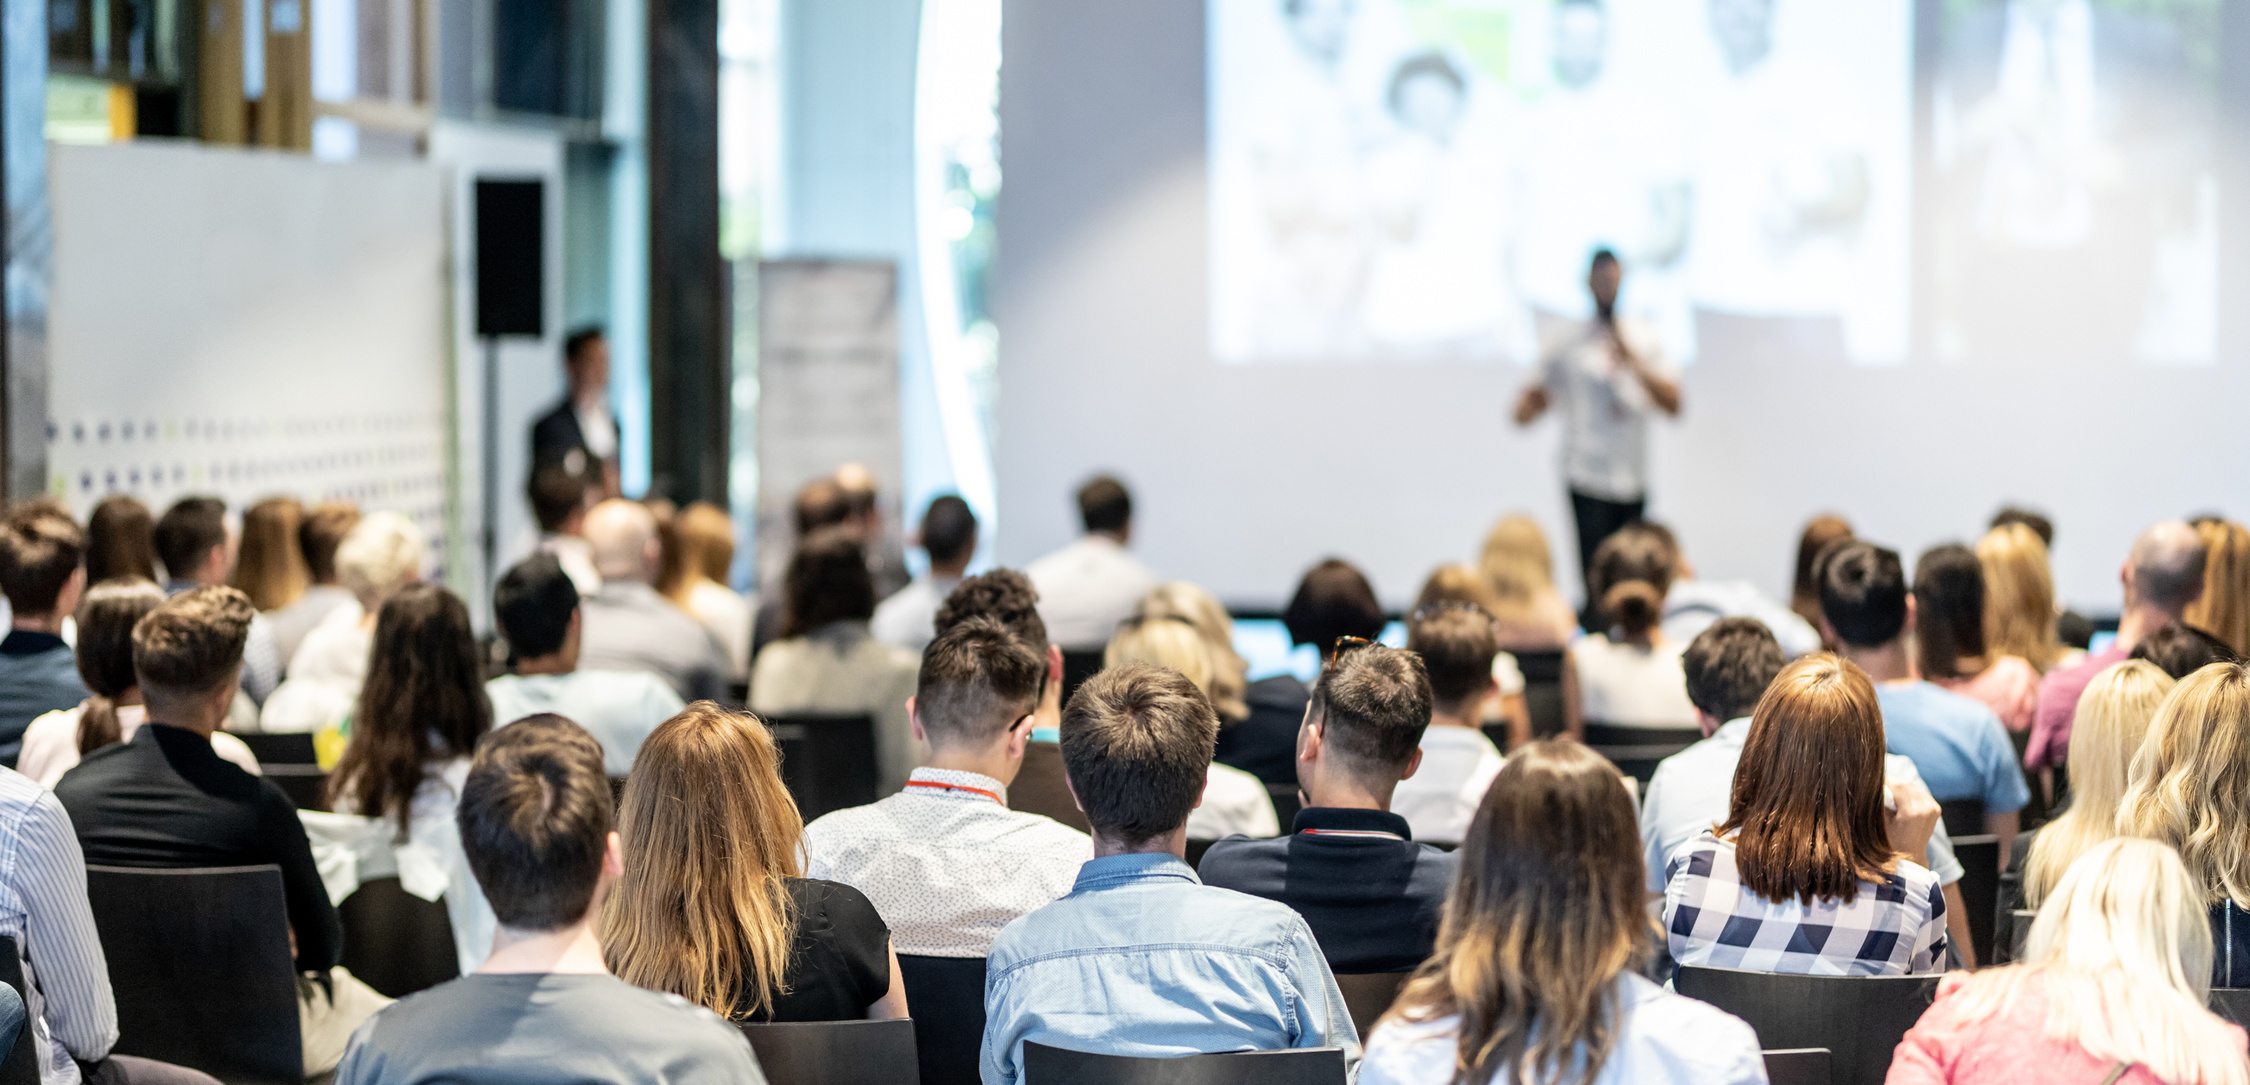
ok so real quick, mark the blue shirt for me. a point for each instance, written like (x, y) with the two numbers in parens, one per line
(38, 674)
(1143, 959)
(1958, 744)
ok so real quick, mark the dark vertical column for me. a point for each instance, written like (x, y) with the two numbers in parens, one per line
(689, 388)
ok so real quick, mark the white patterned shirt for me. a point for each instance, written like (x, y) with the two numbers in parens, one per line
(945, 862)
(1894, 926)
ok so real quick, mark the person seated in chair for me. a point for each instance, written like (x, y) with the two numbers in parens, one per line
(41, 571)
(538, 608)
(536, 823)
(1141, 958)
(1457, 644)
(1351, 867)
(1006, 596)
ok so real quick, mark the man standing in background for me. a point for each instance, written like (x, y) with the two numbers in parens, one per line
(581, 432)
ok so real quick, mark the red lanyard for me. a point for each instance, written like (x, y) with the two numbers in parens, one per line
(942, 786)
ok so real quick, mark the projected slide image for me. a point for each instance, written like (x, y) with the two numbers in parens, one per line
(1427, 178)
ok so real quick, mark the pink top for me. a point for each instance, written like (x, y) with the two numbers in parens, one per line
(2009, 687)
(2004, 1049)
(2058, 702)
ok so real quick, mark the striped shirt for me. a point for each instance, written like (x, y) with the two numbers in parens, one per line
(43, 908)
(1894, 926)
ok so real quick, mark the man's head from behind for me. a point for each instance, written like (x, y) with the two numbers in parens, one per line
(1863, 594)
(187, 534)
(821, 503)
(1369, 709)
(535, 819)
(1333, 600)
(1003, 595)
(622, 535)
(978, 682)
(1456, 645)
(949, 534)
(2165, 571)
(1104, 505)
(1137, 741)
(533, 604)
(558, 499)
(322, 531)
(1729, 665)
(187, 654)
(41, 556)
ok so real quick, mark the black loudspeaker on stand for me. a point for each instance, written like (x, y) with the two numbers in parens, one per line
(511, 272)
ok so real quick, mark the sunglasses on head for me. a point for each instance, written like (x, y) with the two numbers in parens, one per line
(1444, 605)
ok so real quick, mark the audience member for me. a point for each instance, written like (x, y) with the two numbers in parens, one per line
(1234, 802)
(1691, 604)
(949, 537)
(559, 500)
(319, 535)
(580, 434)
(2073, 630)
(1807, 873)
(1334, 600)
(1629, 676)
(2162, 577)
(1804, 593)
(945, 861)
(1729, 667)
(886, 556)
(2020, 619)
(1006, 596)
(706, 545)
(55, 742)
(2186, 790)
(1140, 958)
(1089, 586)
(120, 540)
(1958, 745)
(40, 554)
(1457, 646)
(1949, 642)
(2224, 606)
(378, 558)
(1505, 705)
(535, 824)
(167, 800)
(1550, 851)
(268, 566)
(826, 660)
(1521, 569)
(819, 504)
(710, 906)
(197, 548)
(1230, 673)
(2111, 988)
(1350, 866)
(2112, 720)
(2181, 649)
(538, 611)
(628, 626)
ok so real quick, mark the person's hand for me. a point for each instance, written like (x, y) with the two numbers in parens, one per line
(1911, 818)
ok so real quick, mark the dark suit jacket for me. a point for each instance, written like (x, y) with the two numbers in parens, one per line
(556, 434)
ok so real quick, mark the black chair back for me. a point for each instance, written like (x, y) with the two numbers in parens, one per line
(397, 942)
(1368, 995)
(21, 1064)
(2018, 935)
(1963, 817)
(2232, 1003)
(289, 760)
(1195, 850)
(835, 1052)
(1286, 803)
(199, 960)
(1980, 889)
(1040, 787)
(946, 995)
(1803, 1066)
(1078, 666)
(1543, 698)
(827, 761)
(1860, 1019)
(1043, 1065)
(1636, 751)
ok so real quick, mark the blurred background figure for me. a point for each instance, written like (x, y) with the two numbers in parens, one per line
(949, 537)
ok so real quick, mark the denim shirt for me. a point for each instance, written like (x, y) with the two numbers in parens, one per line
(1144, 959)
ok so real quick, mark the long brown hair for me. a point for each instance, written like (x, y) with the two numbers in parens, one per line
(120, 540)
(2019, 595)
(423, 701)
(1804, 592)
(270, 568)
(105, 652)
(703, 537)
(710, 835)
(1546, 912)
(2223, 610)
(1949, 612)
(1807, 811)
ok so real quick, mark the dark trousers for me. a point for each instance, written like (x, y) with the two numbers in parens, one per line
(1598, 519)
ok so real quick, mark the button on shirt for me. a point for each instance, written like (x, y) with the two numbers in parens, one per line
(1605, 410)
(1958, 744)
(1370, 893)
(1086, 588)
(43, 907)
(1143, 959)
(945, 861)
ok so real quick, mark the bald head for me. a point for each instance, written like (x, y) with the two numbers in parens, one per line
(2165, 570)
(622, 535)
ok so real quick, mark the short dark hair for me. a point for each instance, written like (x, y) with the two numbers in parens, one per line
(556, 492)
(1729, 665)
(1374, 703)
(1457, 645)
(1004, 595)
(977, 679)
(1603, 255)
(1632, 572)
(187, 532)
(1863, 593)
(580, 338)
(1333, 600)
(949, 529)
(821, 503)
(40, 547)
(1948, 610)
(827, 581)
(1104, 504)
(2181, 649)
(119, 540)
(2036, 521)
(1137, 741)
(533, 603)
(192, 643)
(322, 531)
(535, 817)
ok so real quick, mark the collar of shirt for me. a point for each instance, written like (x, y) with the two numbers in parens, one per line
(29, 642)
(1335, 821)
(1112, 871)
(1734, 732)
(957, 786)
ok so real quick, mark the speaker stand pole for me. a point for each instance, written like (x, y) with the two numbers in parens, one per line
(491, 457)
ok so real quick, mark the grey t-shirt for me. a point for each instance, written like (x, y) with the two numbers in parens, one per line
(525, 1028)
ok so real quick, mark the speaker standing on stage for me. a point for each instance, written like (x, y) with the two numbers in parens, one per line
(580, 434)
(1607, 378)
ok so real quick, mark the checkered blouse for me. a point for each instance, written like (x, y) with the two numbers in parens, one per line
(1894, 926)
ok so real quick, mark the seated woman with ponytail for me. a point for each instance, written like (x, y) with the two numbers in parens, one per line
(54, 742)
(1630, 676)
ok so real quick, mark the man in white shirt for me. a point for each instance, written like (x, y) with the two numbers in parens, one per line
(1729, 666)
(1457, 645)
(1088, 587)
(1606, 380)
(949, 536)
(537, 609)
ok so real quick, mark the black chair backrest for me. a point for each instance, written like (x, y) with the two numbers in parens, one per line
(1286, 803)
(1040, 787)
(281, 749)
(1963, 817)
(946, 995)
(1802, 1066)
(1980, 889)
(397, 942)
(827, 761)
(1543, 697)
(21, 1064)
(289, 760)
(1368, 995)
(1636, 751)
(1043, 1065)
(2232, 1003)
(1859, 1018)
(2018, 934)
(1195, 850)
(199, 960)
(835, 1052)
(1078, 666)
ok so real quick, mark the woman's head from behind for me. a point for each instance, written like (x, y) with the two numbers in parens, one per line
(1546, 912)
(1333, 600)
(2019, 595)
(827, 581)
(1949, 611)
(120, 540)
(706, 539)
(423, 701)
(2190, 781)
(1516, 559)
(1167, 642)
(269, 567)
(1633, 570)
(1806, 814)
(1229, 671)
(1822, 533)
(2224, 606)
(381, 554)
(105, 652)
(2112, 718)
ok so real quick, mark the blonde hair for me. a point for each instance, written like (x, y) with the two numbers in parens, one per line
(2224, 608)
(2112, 718)
(2187, 781)
(1230, 673)
(710, 836)
(1520, 568)
(270, 568)
(2019, 596)
(2122, 956)
(1167, 642)
(381, 554)
(702, 539)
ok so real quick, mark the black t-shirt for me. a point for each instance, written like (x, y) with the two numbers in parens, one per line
(840, 961)
(1265, 744)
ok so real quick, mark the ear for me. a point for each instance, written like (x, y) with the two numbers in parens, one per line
(1073, 789)
(1019, 737)
(914, 721)
(1308, 740)
(1707, 722)
(1909, 626)
(1054, 666)
(613, 856)
(1412, 763)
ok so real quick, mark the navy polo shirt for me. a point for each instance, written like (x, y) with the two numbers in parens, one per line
(1370, 893)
